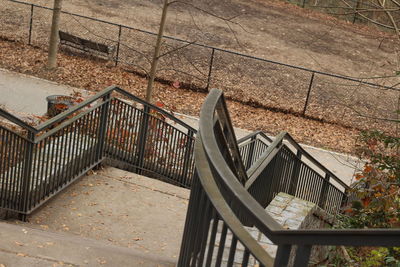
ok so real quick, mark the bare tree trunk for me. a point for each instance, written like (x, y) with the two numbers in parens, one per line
(53, 44)
(157, 48)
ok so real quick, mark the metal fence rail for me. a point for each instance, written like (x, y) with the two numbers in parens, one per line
(218, 198)
(248, 79)
(127, 132)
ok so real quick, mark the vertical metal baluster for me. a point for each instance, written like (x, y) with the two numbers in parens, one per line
(11, 169)
(282, 255)
(133, 132)
(246, 256)
(221, 246)
(27, 173)
(211, 243)
(58, 167)
(75, 147)
(2, 167)
(302, 256)
(232, 251)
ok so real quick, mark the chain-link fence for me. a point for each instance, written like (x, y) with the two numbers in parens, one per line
(247, 79)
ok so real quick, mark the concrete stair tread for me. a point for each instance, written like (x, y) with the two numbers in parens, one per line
(24, 246)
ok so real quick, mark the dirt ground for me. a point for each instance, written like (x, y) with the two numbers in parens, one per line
(268, 29)
(265, 28)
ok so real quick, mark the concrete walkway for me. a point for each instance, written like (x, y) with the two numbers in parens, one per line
(26, 94)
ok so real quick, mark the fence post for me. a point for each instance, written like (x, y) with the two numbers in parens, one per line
(103, 126)
(24, 198)
(141, 144)
(355, 11)
(294, 180)
(324, 191)
(118, 44)
(304, 4)
(308, 94)
(188, 154)
(210, 69)
(30, 26)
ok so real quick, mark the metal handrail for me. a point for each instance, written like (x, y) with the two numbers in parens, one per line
(209, 157)
(224, 211)
(60, 117)
(17, 121)
(101, 94)
(254, 134)
(284, 136)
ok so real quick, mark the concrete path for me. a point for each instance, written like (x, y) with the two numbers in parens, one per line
(22, 93)
(26, 94)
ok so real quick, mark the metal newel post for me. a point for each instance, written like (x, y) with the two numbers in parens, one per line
(308, 94)
(210, 69)
(103, 126)
(294, 180)
(188, 156)
(251, 152)
(324, 191)
(24, 198)
(118, 44)
(30, 26)
(345, 198)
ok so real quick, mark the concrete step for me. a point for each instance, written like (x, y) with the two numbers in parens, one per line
(24, 246)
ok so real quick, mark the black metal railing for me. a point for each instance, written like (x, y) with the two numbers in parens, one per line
(287, 167)
(127, 132)
(252, 147)
(350, 101)
(221, 210)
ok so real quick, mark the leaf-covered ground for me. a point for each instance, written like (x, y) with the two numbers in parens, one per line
(95, 75)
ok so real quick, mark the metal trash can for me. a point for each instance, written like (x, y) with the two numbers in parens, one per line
(56, 104)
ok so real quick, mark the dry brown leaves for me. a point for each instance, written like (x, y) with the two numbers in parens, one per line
(95, 75)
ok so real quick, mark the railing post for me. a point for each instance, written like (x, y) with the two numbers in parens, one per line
(188, 154)
(141, 144)
(118, 44)
(282, 255)
(210, 69)
(345, 198)
(103, 126)
(27, 171)
(294, 180)
(251, 152)
(308, 94)
(324, 191)
(30, 26)
(302, 256)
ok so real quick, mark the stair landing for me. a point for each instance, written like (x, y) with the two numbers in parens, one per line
(121, 209)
